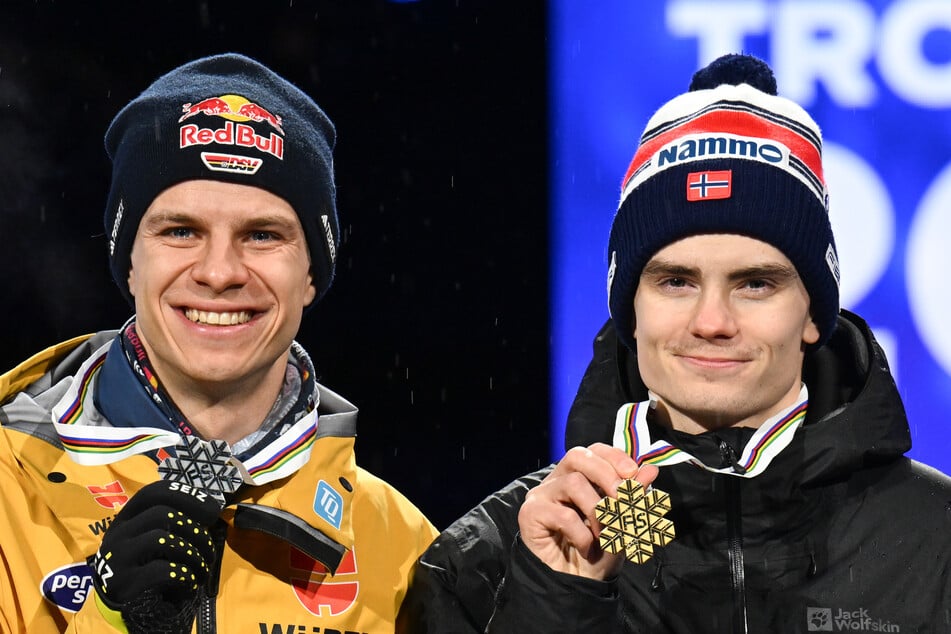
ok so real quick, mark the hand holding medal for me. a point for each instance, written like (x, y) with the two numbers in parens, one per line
(591, 507)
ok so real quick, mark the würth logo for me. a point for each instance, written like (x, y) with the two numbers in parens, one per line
(314, 588)
(110, 495)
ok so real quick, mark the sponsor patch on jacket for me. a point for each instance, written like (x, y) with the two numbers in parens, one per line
(842, 620)
(110, 495)
(328, 504)
(321, 594)
(68, 586)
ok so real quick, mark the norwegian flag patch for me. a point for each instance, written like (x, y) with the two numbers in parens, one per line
(709, 185)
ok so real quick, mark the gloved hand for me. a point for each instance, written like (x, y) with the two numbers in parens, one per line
(155, 557)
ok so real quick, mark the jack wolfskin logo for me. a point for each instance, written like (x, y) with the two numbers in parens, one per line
(819, 619)
(328, 504)
(839, 620)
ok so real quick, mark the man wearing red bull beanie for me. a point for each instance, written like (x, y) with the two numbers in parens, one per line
(762, 420)
(187, 472)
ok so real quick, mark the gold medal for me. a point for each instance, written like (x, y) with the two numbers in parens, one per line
(634, 523)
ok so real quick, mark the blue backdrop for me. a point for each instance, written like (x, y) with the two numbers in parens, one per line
(875, 75)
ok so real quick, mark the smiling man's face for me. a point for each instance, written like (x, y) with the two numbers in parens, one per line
(721, 324)
(220, 274)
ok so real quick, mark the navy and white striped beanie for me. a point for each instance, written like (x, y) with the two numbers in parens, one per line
(729, 156)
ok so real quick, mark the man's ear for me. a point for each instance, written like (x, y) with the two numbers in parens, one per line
(309, 294)
(810, 331)
(131, 281)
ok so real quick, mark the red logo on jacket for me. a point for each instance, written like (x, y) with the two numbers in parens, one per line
(319, 592)
(110, 495)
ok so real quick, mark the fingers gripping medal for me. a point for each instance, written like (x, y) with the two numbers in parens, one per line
(634, 523)
(206, 466)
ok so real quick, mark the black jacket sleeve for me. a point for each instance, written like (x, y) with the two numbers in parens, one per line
(477, 577)
(534, 598)
(610, 380)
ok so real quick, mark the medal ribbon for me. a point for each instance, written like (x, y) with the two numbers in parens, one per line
(631, 433)
(90, 439)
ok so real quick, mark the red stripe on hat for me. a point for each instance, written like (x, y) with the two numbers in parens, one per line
(744, 124)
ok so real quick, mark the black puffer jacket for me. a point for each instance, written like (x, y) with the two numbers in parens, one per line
(841, 533)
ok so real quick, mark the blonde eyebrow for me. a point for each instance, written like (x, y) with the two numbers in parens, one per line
(271, 221)
(168, 217)
(187, 218)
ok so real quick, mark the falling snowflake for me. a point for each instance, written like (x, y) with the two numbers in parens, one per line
(634, 523)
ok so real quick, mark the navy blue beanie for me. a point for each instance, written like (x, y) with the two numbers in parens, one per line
(729, 156)
(226, 118)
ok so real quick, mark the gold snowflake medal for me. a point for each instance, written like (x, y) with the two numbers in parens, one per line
(634, 523)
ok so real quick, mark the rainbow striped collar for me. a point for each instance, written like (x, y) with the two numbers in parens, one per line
(631, 433)
(89, 439)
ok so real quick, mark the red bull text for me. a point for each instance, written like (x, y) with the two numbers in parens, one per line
(236, 134)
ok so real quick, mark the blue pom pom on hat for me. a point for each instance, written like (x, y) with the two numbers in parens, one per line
(728, 156)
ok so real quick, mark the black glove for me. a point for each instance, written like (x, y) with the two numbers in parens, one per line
(155, 557)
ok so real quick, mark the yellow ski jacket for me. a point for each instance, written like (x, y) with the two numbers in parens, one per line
(320, 547)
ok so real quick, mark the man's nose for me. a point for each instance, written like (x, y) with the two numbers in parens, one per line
(220, 265)
(713, 315)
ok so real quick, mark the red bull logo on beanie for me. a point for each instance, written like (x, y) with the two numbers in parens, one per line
(236, 110)
(233, 107)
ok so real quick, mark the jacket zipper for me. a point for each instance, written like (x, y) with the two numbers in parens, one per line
(734, 534)
(206, 619)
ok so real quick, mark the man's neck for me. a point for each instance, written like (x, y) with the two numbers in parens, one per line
(230, 412)
(691, 422)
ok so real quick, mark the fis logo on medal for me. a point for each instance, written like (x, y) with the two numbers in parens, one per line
(328, 504)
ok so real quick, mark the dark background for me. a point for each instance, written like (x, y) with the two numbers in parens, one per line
(437, 323)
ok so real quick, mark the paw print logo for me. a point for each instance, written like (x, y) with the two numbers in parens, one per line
(819, 619)
(634, 523)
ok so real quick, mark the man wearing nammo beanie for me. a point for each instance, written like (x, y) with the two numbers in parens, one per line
(188, 471)
(735, 455)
